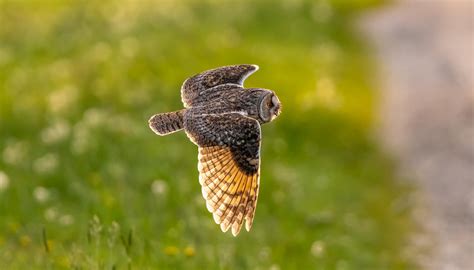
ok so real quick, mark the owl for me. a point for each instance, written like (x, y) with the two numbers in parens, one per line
(223, 119)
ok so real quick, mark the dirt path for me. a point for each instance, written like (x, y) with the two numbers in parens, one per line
(425, 50)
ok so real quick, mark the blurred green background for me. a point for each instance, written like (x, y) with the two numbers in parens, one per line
(85, 184)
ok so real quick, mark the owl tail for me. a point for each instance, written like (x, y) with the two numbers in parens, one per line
(166, 123)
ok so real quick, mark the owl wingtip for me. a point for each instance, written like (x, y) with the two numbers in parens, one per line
(217, 218)
(210, 207)
(236, 228)
(248, 224)
(200, 167)
(235, 232)
(204, 192)
(201, 179)
(224, 228)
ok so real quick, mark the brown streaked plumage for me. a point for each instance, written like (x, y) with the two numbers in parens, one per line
(223, 119)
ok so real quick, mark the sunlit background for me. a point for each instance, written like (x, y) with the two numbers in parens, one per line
(85, 184)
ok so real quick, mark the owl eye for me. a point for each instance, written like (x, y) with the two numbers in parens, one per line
(269, 102)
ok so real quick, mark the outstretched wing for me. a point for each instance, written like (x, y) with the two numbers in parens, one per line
(229, 166)
(193, 86)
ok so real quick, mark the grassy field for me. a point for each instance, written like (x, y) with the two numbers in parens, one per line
(84, 183)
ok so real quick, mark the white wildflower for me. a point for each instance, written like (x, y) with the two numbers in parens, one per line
(62, 99)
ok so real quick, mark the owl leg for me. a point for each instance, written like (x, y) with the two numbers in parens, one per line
(166, 123)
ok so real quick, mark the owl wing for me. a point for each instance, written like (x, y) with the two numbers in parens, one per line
(193, 86)
(229, 166)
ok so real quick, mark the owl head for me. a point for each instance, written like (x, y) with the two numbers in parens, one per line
(270, 107)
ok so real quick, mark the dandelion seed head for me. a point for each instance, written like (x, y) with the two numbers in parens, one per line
(50, 214)
(62, 99)
(57, 132)
(4, 181)
(41, 194)
(159, 187)
(317, 248)
(46, 164)
(14, 152)
(66, 220)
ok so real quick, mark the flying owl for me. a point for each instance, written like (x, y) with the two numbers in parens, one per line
(223, 119)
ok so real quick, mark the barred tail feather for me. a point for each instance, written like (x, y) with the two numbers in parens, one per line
(166, 123)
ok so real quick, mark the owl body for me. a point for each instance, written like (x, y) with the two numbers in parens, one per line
(223, 119)
(229, 99)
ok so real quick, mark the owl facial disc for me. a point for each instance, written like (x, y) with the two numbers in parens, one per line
(270, 107)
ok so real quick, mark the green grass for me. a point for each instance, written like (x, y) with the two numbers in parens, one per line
(91, 187)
